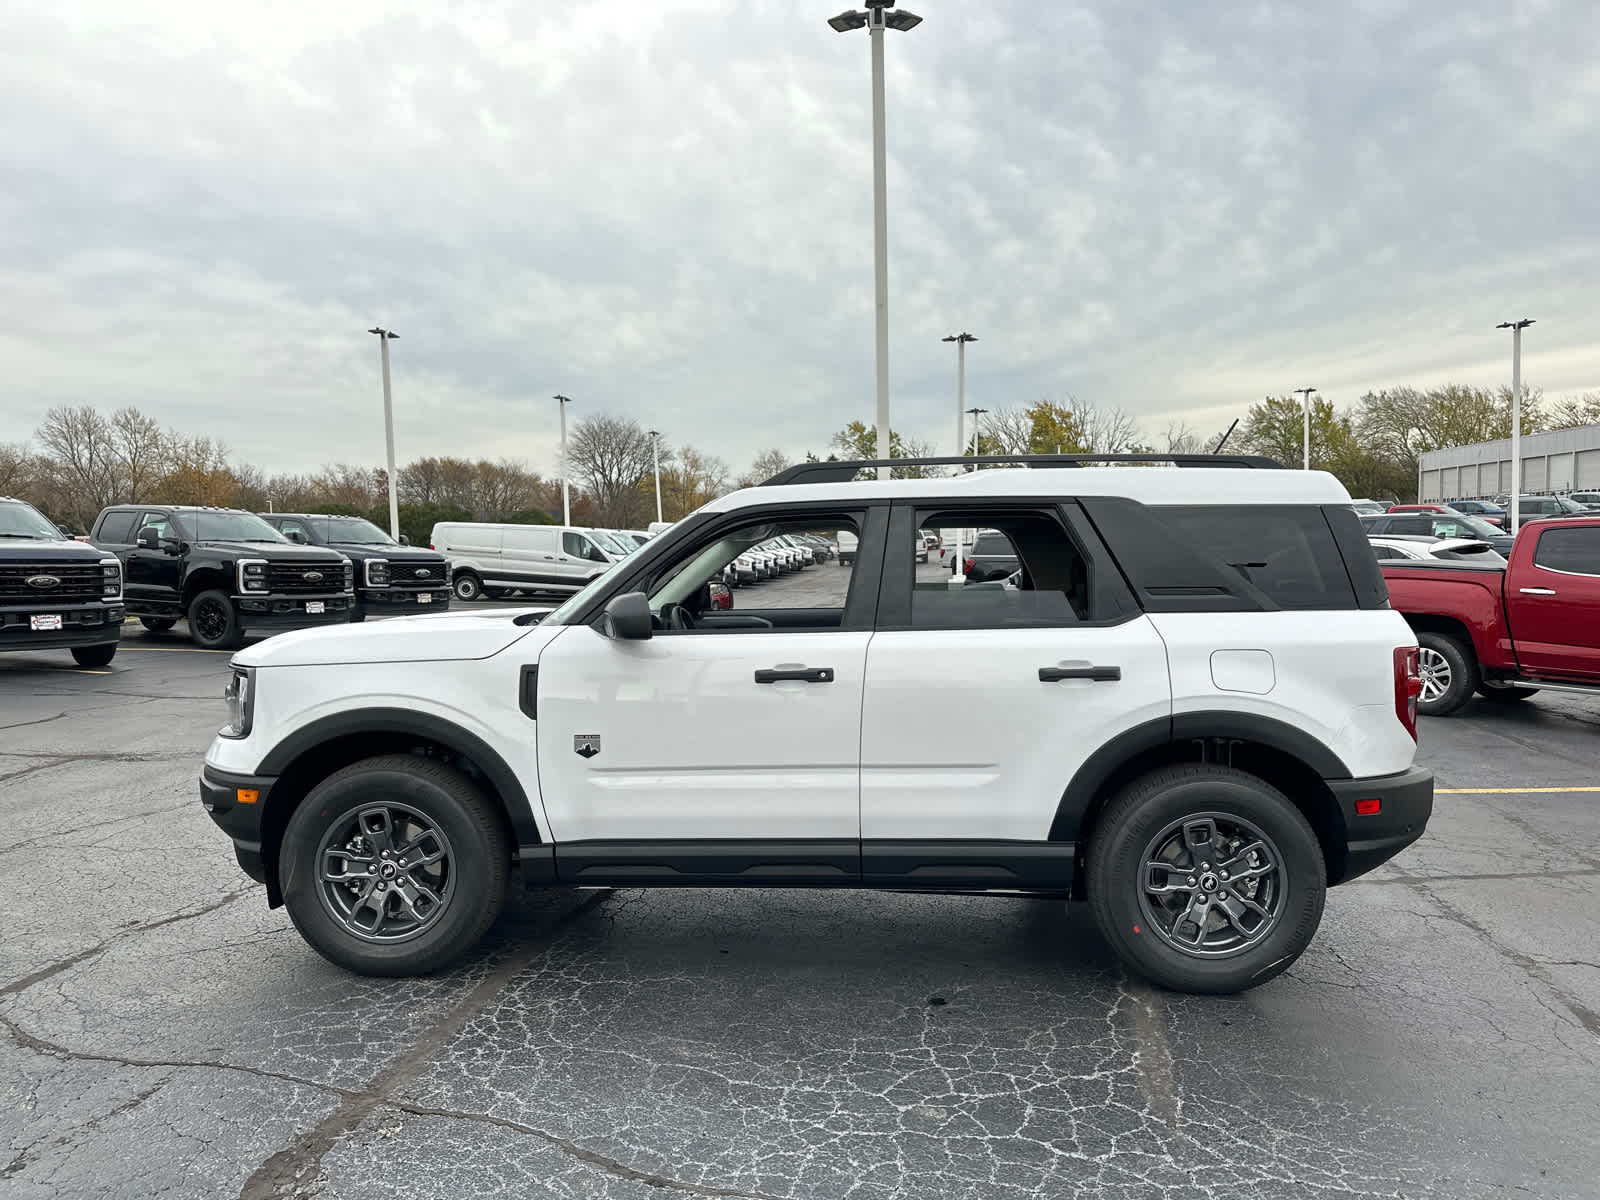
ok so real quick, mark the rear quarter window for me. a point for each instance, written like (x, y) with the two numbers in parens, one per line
(1287, 552)
(1574, 551)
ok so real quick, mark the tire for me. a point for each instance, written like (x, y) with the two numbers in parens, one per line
(1449, 674)
(94, 656)
(158, 624)
(358, 614)
(1165, 805)
(213, 623)
(1505, 693)
(467, 586)
(469, 883)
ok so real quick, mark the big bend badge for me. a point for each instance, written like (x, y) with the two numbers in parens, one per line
(586, 745)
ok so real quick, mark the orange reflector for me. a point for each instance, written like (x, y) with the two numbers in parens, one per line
(250, 796)
(1364, 808)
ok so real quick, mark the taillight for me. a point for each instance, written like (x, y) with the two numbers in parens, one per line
(1407, 687)
(966, 567)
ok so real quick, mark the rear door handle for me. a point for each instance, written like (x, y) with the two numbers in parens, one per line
(1098, 674)
(802, 674)
(1537, 591)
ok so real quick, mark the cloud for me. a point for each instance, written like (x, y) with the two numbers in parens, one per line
(664, 211)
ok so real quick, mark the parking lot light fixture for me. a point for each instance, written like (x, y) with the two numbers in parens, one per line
(1516, 328)
(1305, 398)
(385, 336)
(566, 494)
(655, 458)
(879, 15)
(961, 340)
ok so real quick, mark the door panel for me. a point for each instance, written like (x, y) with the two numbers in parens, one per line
(690, 746)
(1553, 605)
(960, 738)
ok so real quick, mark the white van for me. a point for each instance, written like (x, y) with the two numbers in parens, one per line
(490, 559)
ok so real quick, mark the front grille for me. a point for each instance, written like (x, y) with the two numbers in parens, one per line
(291, 578)
(404, 575)
(76, 582)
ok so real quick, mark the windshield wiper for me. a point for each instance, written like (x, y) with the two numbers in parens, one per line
(32, 537)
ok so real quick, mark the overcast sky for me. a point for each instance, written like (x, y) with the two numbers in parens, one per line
(663, 209)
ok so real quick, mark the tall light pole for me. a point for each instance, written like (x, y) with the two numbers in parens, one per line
(975, 413)
(1516, 328)
(655, 457)
(961, 340)
(960, 575)
(880, 15)
(385, 336)
(566, 493)
(1305, 396)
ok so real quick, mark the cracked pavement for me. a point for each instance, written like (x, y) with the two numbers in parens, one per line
(162, 1034)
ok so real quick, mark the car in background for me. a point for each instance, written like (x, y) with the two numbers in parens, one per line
(1365, 507)
(1590, 500)
(930, 539)
(1490, 512)
(1549, 508)
(1436, 508)
(1438, 525)
(55, 592)
(391, 577)
(1420, 547)
(992, 556)
(848, 543)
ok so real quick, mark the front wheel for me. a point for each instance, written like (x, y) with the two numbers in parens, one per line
(1505, 693)
(357, 614)
(1206, 879)
(158, 624)
(213, 624)
(94, 656)
(1449, 674)
(467, 586)
(394, 866)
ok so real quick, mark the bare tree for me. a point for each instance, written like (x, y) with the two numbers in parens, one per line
(82, 460)
(20, 473)
(1105, 430)
(767, 464)
(1010, 429)
(1180, 438)
(612, 456)
(140, 447)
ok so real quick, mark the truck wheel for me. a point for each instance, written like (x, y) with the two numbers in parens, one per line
(394, 866)
(468, 586)
(357, 614)
(212, 622)
(1206, 879)
(94, 656)
(1505, 693)
(158, 624)
(1449, 674)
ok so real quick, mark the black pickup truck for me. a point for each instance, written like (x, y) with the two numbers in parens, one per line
(56, 593)
(391, 577)
(223, 570)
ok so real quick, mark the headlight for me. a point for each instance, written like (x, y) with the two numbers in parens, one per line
(377, 572)
(240, 696)
(110, 578)
(253, 575)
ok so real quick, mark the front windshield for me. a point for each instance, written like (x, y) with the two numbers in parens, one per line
(1477, 526)
(221, 525)
(19, 520)
(1569, 505)
(562, 613)
(354, 531)
(608, 541)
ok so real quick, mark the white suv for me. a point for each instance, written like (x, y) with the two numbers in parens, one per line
(1194, 709)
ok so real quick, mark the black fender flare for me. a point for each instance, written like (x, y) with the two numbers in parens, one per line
(519, 811)
(1090, 778)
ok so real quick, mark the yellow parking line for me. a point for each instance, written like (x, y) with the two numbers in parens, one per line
(1507, 791)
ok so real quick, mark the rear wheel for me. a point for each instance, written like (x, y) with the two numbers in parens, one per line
(94, 656)
(158, 624)
(1449, 674)
(467, 586)
(394, 866)
(212, 622)
(1505, 693)
(1206, 879)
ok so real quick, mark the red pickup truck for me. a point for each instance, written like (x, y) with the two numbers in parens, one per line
(1506, 632)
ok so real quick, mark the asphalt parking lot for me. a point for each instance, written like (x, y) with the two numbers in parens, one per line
(163, 1034)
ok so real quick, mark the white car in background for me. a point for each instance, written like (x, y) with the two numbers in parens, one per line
(1420, 546)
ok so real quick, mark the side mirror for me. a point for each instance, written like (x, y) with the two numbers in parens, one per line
(65, 532)
(595, 554)
(149, 538)
(627, 617)
(404, 540)
(295, 536)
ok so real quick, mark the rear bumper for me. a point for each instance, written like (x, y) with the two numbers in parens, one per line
(81, 625)
(1405, 802)
(239, 818)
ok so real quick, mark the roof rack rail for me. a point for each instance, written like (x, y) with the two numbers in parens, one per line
(844, 472)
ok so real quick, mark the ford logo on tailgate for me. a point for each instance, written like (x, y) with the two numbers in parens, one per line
(312, 576)
(42, 582)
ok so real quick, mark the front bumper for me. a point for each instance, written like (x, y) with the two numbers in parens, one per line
(81, 625)
(226, 797)
(1405, 802)
(277, 611)
(408, 599)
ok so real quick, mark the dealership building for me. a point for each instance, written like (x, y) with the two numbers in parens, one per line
(1563, 460)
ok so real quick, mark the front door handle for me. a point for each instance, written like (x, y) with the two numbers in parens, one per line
(801, 674)
(1537, 591)
(1098, 674)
